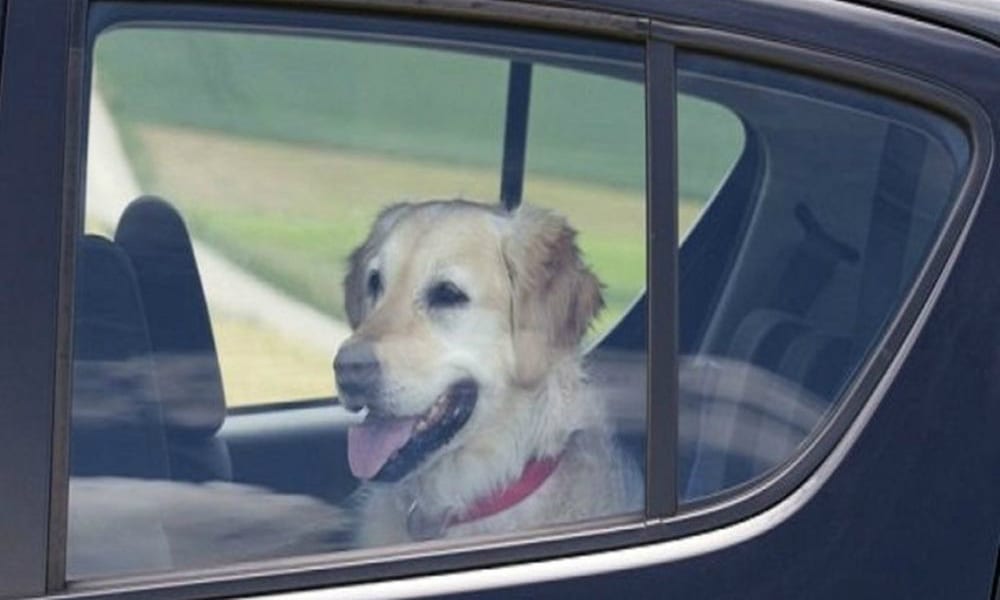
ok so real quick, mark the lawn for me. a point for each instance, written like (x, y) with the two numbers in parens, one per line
(295, 216)
(440, 107)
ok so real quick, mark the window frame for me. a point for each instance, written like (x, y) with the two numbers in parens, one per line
(33, 107)
(662, 522)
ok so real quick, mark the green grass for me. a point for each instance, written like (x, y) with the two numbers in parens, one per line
(400, 101)
(280, 150)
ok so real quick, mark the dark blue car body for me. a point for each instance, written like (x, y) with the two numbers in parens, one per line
(899, 497)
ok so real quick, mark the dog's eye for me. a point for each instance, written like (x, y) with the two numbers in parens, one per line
(445, 295)
(374, 284)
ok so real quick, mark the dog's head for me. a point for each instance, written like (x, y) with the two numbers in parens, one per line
(453, 306)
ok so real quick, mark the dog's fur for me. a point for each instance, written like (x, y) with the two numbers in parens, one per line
(530, 301)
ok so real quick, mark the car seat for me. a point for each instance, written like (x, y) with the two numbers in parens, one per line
(185, 364)
(117, 424)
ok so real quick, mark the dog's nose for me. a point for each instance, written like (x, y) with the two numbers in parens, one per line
(358, 373)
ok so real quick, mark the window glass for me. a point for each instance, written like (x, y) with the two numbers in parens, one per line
(801, 258)
(279, 168)
(274, 219)
(590, 152)
(710, 137)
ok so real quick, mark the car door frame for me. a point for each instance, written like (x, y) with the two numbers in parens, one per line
(41, 62)
(33, 315)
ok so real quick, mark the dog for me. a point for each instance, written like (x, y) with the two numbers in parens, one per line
(467, 322)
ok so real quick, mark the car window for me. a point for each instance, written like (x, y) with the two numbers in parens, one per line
(273, 219)
(279, 169)
(801, 259)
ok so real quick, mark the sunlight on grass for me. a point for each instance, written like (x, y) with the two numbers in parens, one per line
(260, 366)
(95, 226)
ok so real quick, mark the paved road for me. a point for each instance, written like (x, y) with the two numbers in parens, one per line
(111, 185)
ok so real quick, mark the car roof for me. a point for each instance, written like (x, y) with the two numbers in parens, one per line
(980, 17)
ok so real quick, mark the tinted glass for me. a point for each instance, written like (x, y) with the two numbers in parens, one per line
(802, 257)
(326, 217)
(597, 141)
(711, 139)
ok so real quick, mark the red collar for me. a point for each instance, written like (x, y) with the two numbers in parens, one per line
(532, 477)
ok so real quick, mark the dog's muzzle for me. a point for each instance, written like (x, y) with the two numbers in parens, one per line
(388, 447)
(358, 374)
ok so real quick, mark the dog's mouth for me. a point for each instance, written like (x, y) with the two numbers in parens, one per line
(385, 448)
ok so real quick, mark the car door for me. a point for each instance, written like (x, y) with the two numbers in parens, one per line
(788, 207)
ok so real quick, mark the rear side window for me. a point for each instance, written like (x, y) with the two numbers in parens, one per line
(297, 274)
(801, 259)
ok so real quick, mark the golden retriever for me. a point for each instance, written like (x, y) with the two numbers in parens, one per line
(467, 321)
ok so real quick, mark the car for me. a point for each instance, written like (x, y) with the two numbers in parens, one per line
(790, 207)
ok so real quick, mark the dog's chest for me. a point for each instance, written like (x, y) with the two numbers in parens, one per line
(584, 486)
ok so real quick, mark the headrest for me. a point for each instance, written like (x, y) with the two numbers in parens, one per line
(156, 240)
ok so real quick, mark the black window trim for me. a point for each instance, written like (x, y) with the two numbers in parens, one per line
(32, 120)
(326, 570)
(73, 168)
(661, 281)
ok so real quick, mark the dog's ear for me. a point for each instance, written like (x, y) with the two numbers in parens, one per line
(555, 295)
(355, 290)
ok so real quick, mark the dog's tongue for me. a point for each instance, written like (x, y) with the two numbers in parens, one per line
(370, 444)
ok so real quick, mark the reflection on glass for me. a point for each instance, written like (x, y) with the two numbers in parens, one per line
(259, 206)
(804, 252)
(597, 145)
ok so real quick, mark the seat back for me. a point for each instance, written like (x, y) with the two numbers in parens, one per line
(117, 422)
(185, 364)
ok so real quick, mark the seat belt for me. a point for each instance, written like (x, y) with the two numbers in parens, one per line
(515, 140)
